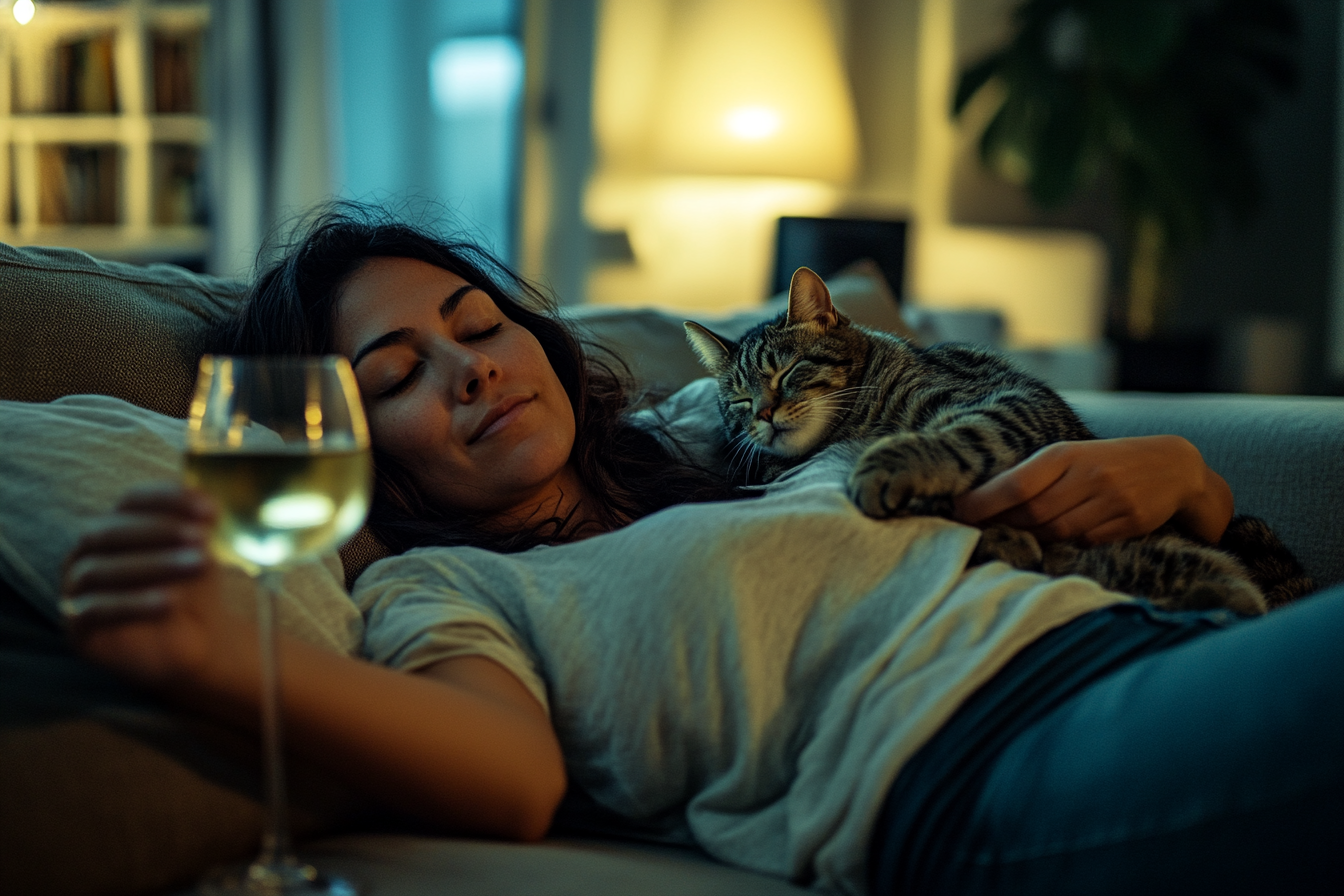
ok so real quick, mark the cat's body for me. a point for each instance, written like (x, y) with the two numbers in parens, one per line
(935, 423)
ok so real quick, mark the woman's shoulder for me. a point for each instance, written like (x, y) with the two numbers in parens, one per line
(438, 569)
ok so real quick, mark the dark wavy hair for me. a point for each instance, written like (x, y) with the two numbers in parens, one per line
(627, 471)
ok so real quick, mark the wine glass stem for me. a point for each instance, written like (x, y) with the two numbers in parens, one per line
(275, 837)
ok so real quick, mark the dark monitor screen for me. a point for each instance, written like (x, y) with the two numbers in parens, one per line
(826, 245)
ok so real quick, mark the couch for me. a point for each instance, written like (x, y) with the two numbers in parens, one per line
(105, 790)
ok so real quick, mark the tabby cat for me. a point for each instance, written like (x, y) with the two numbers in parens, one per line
(938, 421)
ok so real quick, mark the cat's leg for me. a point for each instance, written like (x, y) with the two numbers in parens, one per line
(1016, 547)
(910, 473)
(1267, 559)
(1169, 570)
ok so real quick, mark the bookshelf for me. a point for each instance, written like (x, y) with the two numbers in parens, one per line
(103, 128)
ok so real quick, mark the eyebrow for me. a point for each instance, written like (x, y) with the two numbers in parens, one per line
(402, 335)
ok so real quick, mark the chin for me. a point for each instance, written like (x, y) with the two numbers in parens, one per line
(787, 444)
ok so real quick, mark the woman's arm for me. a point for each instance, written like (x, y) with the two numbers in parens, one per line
(463, 745)
(1106, 490)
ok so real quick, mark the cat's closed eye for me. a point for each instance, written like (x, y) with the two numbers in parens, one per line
(792, 374)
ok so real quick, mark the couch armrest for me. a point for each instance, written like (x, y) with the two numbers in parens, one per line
(1282, 456)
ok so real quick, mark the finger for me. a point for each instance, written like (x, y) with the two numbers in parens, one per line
(86, 611)
(132, 571)
(1076, 522)
(1012, 488)
(168, 498)
(127, 532)
(1116, 529)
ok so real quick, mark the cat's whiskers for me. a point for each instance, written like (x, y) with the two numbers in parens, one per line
(741, 454)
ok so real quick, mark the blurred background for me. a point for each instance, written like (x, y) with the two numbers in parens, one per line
(1147, 191)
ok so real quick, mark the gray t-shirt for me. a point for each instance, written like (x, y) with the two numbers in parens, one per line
(758, 669)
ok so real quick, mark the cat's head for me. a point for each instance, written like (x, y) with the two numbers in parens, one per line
(786, 382)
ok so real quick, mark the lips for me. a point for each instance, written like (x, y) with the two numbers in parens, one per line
(505, 407)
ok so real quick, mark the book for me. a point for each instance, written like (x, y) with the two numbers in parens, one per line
(178, 188)
(176, 71)
(85, 77)
(77, 184)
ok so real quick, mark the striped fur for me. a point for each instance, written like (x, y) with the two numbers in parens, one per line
(936, 422)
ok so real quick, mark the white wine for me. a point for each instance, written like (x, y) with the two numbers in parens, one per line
(283, 505)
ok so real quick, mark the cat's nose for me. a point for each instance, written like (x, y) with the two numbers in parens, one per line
(766, 414)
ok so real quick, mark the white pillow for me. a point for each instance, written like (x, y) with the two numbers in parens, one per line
(66, 461)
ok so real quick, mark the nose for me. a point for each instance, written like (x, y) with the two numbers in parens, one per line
(476, 373)
(767, 414)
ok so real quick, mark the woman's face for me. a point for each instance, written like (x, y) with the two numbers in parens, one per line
(461, 396)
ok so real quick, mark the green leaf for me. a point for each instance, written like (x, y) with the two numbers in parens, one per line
(974, 78)
(1002, 147)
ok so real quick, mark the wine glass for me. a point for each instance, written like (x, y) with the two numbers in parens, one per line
(281, 445)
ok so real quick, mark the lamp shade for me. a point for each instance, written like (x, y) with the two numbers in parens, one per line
(755, 87)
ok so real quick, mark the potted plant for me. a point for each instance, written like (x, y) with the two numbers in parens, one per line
(1154, 96)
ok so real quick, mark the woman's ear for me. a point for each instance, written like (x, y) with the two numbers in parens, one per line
(714, 351)
(810, 300)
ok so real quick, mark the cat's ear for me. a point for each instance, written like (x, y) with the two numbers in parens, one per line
(810, 300)
(714, 351)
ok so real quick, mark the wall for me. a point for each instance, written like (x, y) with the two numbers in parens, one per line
(1277, 275)
(882, 49)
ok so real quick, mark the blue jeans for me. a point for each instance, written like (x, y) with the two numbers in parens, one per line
(1212, 766)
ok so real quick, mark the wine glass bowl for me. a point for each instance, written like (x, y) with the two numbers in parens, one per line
(281, 445)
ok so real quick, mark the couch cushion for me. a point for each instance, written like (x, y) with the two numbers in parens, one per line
(70, 323)
(408, 865)
(1280, 455)
(108, 792)
(652, 342)
(65, 461)
(105, 789)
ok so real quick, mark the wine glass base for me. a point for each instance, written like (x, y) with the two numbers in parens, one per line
(293, 878)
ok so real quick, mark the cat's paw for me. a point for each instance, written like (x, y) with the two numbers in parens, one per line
(902, 475)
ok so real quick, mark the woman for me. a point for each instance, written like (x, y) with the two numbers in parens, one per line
(800, 689)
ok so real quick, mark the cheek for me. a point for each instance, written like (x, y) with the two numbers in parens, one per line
(737, 417)
(406, 434)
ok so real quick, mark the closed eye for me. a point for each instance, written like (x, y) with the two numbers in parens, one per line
(484, 334)
(404, 383)
(826, 361)
(802, 366)
(739, 401)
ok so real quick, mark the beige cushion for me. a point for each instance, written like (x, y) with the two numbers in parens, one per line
(653, 343)
(411, 866)
(106, 791)
(66, 461)
(73, 324)
(70, 324)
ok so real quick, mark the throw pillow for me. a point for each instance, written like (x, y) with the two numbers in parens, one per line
(653, 344)
(106, 789)
(71, 459)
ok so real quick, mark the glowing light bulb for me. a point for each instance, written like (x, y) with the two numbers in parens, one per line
(751, 122)
(23, 11)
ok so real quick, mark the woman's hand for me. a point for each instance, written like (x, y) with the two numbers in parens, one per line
(141, 593)
(465, 744)
(1105, 490)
